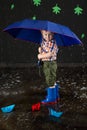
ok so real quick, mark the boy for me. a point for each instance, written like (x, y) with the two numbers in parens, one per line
(48, 54)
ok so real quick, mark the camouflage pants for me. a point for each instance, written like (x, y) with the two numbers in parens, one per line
(50, 69)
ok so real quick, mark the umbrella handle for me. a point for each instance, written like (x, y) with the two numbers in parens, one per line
(40, 63)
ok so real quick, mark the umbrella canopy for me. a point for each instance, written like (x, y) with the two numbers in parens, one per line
(30, 30)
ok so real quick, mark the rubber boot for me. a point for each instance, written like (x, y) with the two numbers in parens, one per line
(57, 91)
(51, 97)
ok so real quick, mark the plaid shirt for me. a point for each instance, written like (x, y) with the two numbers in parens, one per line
(50, 46)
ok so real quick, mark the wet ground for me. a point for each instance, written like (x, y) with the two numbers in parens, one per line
(24, 87)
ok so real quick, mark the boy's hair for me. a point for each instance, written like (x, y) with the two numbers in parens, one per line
(42, 31)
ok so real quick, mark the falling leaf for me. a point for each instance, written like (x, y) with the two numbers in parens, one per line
(37, 2)
(78, 10)
(82, 36)
(56, 9)
(12, 7)
(34, 17)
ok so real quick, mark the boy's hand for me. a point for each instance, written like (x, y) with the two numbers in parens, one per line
(51, 54)
(39, 56)
(39, 49)
(45, 55)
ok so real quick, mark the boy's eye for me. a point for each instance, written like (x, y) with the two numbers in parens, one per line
(45, 34)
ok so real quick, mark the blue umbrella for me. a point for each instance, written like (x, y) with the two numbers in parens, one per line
(30, 30)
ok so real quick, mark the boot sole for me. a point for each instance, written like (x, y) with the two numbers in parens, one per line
(50, 103)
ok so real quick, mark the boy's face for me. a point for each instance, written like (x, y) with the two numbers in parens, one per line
(47, 35)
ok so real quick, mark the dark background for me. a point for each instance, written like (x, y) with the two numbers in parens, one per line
(17, 52)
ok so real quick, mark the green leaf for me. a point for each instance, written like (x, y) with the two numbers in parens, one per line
(78, 10)
(37, 2)
(56, 9)
(12, 7)
(34, 17)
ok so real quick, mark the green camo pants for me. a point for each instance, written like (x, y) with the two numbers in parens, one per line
(50, 69)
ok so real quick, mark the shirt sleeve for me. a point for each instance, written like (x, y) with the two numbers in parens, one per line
(55, 49)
